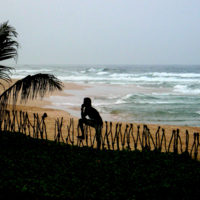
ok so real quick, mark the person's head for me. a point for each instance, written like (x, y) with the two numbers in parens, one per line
(87, 102)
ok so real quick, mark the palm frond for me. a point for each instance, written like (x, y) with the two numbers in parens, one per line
(29, 87)
(4, 74)
(8, 46)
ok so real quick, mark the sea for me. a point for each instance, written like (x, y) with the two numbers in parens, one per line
(148, 94)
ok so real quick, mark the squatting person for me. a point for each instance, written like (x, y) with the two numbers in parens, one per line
(95, 118)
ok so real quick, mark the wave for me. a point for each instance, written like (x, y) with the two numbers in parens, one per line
(97, 69)
(185, 90)
(117, 75)
(120, 101)
(102, 73)
(32, 70)
(91, 70)
(128, 96)
(182, 75)
(126, 79)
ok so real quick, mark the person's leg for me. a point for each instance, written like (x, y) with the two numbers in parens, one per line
(98, 129)
(81, 126)
(81, 122)
(87, 122)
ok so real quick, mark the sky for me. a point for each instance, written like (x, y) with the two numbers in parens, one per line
(106, 32)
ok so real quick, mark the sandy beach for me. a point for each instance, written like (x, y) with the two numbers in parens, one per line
(40, 106)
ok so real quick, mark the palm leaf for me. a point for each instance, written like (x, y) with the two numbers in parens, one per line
(3, 74)
(8, 46)
(8, 49)
(29, 87)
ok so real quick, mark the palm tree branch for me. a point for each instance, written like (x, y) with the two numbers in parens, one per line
(4, 71)
(30, 87)
(8, 46)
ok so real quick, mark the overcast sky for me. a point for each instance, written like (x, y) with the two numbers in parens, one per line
(105, 31)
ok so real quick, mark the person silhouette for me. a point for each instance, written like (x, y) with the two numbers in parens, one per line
(95, 118)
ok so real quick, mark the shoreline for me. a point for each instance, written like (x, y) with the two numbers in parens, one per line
(70, 90)
(42, 106)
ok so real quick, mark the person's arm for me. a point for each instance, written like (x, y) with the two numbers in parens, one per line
(83, 113)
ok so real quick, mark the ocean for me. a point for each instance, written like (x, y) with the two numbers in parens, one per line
(151, 94)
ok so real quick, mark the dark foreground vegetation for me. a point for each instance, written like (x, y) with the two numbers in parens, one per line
(36, 169)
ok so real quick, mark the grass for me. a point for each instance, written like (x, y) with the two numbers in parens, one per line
(36, 169)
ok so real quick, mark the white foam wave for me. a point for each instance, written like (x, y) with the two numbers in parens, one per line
(120, 101)
(180, 86)
(113, 97)
(185, 90)
(96, 104)
(161, 94)
(127, 79)
(32, 70)
(121, 75)
(91, 70)
(182, 75)
(156, 102)
(171, 112)
(128, 96)
(102, 73)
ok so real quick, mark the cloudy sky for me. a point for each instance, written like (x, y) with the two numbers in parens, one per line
(105, 31)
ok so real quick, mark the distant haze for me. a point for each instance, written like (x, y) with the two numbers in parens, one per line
(105, 31)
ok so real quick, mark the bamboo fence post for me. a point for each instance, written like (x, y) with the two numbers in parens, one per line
(116, 136)
(151, 139)
(145, 132)
(110, 133)
(143, 138)
(105, 137)
(140, 140)
(197, 145)
(72, 121)
(138, 137)
(44, 126)
(58, 135)
(24, 122)
(118, 133)
(179, 138)
(128, 138)
(148, 145)
(61, 124)
(13, 122)
(163, 136)
(68, 133)
(55, 130)
(123, 137)
(108, 143)
(157, 136)
(173, 132)
(187, 142)
(194, 145)
(175, 142)
(8, 120)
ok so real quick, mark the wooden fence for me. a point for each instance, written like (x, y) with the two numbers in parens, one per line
(111, 138)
